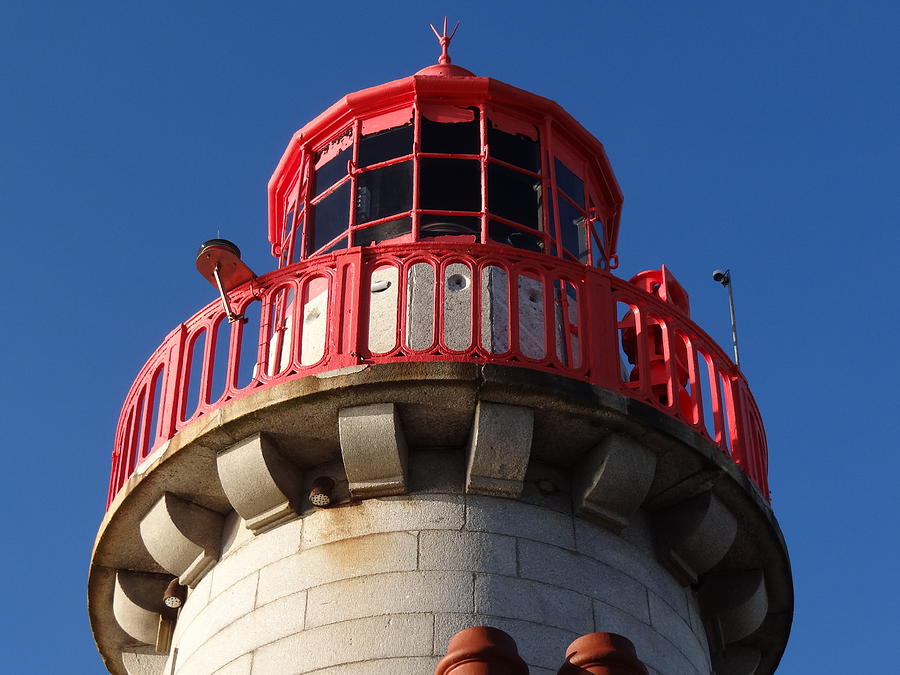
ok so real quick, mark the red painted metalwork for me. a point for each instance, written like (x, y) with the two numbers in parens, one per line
(481, 650)
(602, 654)
(524, 286)
(446, 90)
(560, 317)
(219, 256)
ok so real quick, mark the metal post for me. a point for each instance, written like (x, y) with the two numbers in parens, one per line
(724, 278)
(228, 313)
(734, 338)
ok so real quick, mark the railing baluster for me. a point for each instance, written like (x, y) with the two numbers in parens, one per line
(736, 426)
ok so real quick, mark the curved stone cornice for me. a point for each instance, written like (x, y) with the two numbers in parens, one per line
(433, 405)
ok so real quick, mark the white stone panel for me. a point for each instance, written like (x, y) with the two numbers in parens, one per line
(388, 514)
(532, 601)
(224, 610)
(553, 565)
(506, 516)
(472, 551)
(197, 599)
(262, 550)
(532, 328)
(457, 306)
(495, 309)
(613, 550)
(389, 552)
(416, 665)
(393, 593)
(654, 649)
(420, 303)
(383, 310)
(240, 666)
(315, 322)
(380, 637)
(271, 622)
(666, 621)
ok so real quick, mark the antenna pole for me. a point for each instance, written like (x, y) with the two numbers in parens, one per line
(724, 278)
(734, 338)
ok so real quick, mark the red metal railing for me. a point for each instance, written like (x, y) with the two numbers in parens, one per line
(441, 302)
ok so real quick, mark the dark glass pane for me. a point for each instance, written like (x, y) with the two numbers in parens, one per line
(551, 224)
(459, 138)
(383, 231)
(569, 183)
(288, 224)
(571, 225)
(330, 216)
(450, 184)
(440, 226)
(596, 248)
(383, 192)
(505, 234)
(330, 173)
(385, 145)
(514, 196)
(298, 241)
(516, 149)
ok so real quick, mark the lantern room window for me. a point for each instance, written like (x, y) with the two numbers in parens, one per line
(515, 184)
(383, 192)
(572, 216)
(382, 146)
(482, 173)
(450, 130)
(450, 171)
(384, 179)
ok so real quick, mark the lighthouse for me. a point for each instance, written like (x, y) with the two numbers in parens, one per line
(441, 433)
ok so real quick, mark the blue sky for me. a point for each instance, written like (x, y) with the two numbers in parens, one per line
(759, 136)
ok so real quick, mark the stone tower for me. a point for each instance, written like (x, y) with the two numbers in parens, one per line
(441, 410)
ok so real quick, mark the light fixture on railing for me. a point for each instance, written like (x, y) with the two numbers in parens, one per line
(219, 262)
(724, 277)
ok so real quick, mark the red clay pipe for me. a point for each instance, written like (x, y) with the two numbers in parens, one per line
(481, 650)
(602, 654)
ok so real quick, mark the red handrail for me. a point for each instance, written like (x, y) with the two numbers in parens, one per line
(441, 302)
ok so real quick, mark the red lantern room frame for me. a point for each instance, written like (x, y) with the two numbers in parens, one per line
(447, 92)
(536, 294)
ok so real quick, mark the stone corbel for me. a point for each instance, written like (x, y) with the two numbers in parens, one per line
(735, 604)
(262, 485)
(612, 480)
(183, 537)
(374, 450)
(499, 449)
(138, 604)
(694, 535)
